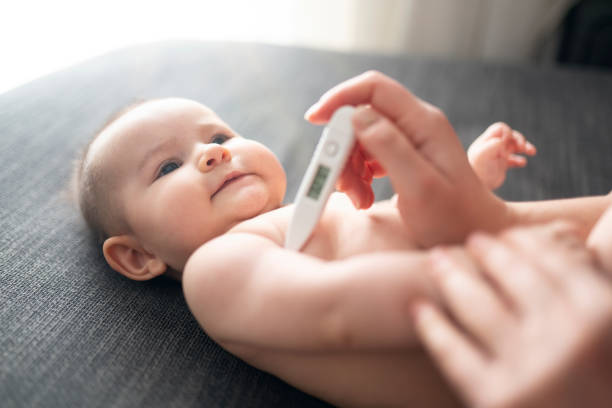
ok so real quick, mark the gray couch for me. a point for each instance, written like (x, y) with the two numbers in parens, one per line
(75, 334)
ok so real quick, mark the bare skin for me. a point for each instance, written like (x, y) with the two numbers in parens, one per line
(530, 310)
(542, 334)
(303, 328)
(207, 203)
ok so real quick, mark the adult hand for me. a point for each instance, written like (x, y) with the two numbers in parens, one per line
(440, 197)
(532, 327)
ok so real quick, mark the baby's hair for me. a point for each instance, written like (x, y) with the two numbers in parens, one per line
(90, 188)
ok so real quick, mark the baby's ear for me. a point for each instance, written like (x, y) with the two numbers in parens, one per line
(125, 255)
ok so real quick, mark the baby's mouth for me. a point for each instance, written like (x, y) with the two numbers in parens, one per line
(229, 179)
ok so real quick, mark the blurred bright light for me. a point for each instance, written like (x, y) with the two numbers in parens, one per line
(38, 37)
(41, 36)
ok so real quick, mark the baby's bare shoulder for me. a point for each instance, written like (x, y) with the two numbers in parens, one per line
(228, 250)
(218, 271)
(233, 254)
(271, 225)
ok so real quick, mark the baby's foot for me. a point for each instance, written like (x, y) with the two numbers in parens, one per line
(496, 150)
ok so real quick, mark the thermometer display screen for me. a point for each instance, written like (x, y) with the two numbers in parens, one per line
(319, 181)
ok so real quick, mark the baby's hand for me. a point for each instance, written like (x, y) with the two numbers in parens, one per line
(497, 149)
(356, 178)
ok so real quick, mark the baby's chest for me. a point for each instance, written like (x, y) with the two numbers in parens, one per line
(344, 231)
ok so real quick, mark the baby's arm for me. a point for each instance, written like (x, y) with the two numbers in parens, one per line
(247, 292)
(496, 150)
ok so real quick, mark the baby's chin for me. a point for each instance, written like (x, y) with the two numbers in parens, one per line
(249, 205)
(255, 211)
(252, 201)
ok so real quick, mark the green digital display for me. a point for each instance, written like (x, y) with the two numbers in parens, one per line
(319, 181)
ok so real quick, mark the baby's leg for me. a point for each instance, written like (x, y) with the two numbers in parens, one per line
(496, 150)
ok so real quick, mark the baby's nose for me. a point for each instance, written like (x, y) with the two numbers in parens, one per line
(213, 155)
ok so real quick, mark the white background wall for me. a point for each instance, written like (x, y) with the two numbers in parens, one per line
(38, 37)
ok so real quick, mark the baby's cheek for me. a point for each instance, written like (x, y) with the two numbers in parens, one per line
(181, 217)
(180, 232)
(263, 162)
(177, 212)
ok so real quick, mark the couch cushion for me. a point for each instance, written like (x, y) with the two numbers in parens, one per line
(74, 333)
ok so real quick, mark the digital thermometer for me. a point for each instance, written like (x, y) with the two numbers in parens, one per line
(319, 182)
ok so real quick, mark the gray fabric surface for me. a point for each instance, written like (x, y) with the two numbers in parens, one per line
(74, 333)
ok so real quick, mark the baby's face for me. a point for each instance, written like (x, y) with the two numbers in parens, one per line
(185, 177)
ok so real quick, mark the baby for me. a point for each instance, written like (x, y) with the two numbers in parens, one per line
(172, 189)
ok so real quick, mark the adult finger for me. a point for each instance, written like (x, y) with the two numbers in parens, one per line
(386, 95)
(555, 247)
(563, 258)
(464, 365)
(424, 125)
(386, 143)
(516, 277)
(474, 303)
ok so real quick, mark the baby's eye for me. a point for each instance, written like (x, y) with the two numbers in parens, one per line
(167, 168)
(219, 138)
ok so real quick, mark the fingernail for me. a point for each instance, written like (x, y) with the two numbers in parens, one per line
(364, 117)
